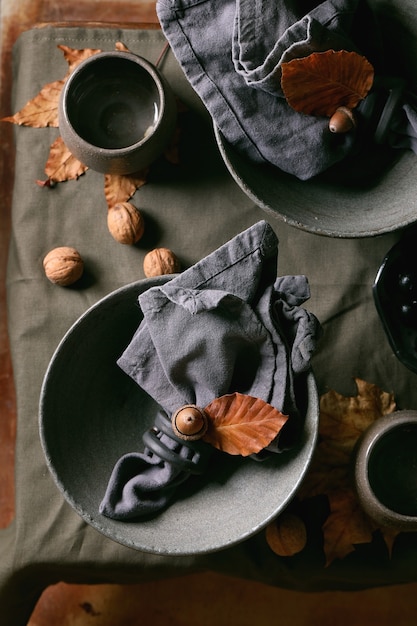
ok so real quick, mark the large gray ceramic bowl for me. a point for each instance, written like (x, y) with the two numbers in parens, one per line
(362, 198)
(91, 413)
(323, 206)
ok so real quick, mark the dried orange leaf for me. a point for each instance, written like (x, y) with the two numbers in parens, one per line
(323, 81)
(120, 188)
(342, 421)
(42, 110)
(241, 424)
(344, 418)
(61, 164)
(346, 526)
(74, 56)
(121, 47)
(389, 535)
(328, 472)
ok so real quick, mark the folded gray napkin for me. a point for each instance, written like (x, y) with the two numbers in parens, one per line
(231, 52)
(228, 324)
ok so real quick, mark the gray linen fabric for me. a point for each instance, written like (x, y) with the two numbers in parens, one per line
(226, 324)
(232, 50)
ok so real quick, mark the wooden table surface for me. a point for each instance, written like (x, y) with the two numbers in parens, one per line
(18, 16)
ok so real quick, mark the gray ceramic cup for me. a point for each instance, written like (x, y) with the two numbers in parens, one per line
(386, 470)
(117, 112)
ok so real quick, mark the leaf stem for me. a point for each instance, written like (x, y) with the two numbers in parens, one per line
(163, 53)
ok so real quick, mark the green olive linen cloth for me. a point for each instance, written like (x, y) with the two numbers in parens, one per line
(192, 208)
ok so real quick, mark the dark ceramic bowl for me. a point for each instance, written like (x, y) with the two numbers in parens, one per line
(117, 112)
(91, 413)
(386, 471)
(395, 294)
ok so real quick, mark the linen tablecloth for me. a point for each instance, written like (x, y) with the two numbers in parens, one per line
(191, 208)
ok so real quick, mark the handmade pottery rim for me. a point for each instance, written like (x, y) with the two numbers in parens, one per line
(126, 151)
(370, 503)
(297, 460)
(315, 224)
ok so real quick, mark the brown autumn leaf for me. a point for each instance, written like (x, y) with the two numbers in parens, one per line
(42, 110)
(121, 46)
(389, 535)
(61, 164)
(328, 471)
(121, 187)
(346, 526)
(241, 424)
(75, 56)
(342, 420)
(323, 81)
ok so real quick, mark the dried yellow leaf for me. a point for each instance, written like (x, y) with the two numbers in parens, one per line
(61, 164)
(342, 421)
(121, 187)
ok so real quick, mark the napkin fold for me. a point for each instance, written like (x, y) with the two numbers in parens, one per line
(231, 52)
(227, 324)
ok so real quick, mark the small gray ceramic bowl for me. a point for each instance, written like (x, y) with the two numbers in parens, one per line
(91, 413)
(386, 470)
(117, 112)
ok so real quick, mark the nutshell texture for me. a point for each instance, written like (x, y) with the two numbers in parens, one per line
(125, 223)
(160, 261)
(63, 266)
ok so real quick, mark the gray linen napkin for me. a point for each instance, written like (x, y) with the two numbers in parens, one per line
(231, 52)
(226, 324)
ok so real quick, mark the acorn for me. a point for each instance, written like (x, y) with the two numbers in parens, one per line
(342, 120)
(190, 422)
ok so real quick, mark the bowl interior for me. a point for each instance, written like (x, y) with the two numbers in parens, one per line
(91, 414)
(113, 101)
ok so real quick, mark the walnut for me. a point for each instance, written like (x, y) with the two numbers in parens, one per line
(286, 535)
(63, 266)
(160, 261)
(125, 223)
